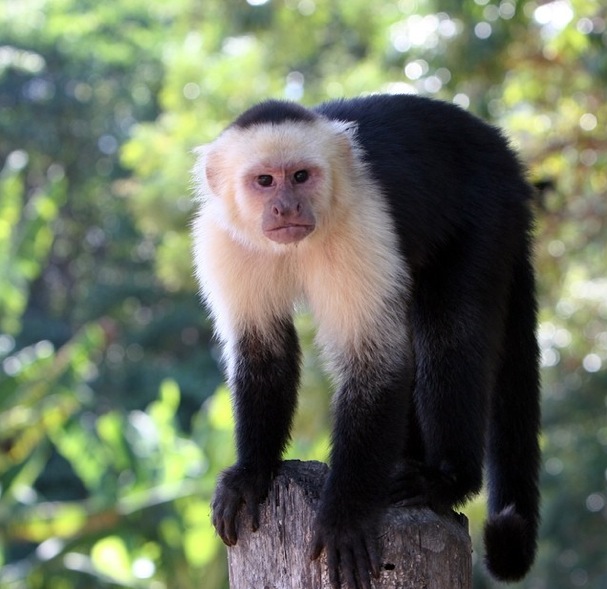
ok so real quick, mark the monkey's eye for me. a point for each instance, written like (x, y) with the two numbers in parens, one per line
(301, 176)
(264, 180)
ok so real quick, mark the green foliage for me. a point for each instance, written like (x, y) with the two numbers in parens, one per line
(146, 510)
(113, 425)
(26, 234)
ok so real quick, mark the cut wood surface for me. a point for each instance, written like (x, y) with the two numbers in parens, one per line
(419, 548)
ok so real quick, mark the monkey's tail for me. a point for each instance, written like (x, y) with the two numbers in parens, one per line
(513, 445)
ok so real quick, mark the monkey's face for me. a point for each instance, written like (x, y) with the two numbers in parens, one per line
(274, 183)
(282, 196)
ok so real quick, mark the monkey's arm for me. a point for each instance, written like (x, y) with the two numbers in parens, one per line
(264, 374)
(368, 439)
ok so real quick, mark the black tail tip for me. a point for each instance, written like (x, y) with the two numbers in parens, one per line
(510, 545)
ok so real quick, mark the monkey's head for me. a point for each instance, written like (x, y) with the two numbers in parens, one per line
(272, 184)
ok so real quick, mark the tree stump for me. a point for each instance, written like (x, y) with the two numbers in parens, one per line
(419, 549)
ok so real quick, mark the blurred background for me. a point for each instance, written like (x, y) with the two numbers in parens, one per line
(113, 418)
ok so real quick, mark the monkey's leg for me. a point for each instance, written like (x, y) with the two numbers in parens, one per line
(264, 379)
(457, 317)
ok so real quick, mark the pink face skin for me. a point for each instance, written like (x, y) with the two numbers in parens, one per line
(286, 192)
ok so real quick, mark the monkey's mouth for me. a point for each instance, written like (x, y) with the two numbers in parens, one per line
(289, 233)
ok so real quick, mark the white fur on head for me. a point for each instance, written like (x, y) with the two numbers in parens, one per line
(222, 167)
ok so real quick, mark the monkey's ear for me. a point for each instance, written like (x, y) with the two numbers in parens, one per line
(345, 131)
(208, 169)
(347, 128)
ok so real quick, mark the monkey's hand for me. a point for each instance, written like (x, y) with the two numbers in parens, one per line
(349, 542)
(238, 486)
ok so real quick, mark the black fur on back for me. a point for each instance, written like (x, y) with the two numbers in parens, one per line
(274, 112)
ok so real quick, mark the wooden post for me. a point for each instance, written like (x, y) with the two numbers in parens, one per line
(419, 549)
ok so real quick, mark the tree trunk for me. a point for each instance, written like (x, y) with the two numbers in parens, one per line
(419, 549)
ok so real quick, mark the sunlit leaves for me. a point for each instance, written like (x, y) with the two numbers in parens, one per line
(39, 399)
(111, 557)
(143, 476)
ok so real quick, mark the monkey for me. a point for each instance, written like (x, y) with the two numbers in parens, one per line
(404, 224)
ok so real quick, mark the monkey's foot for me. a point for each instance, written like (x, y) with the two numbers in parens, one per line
(238, 486)
(409, 484)
(414, 484)
(350, 548)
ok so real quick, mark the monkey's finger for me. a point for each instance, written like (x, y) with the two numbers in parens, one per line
(348, 566)
(220, 526)
(362, 570)
(229, 523)
(373, 557)
(359, 562)
(218, 521)
(253, 511)
(333, 566)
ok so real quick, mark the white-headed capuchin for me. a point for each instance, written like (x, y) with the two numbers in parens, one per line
(404, 225)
